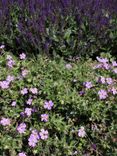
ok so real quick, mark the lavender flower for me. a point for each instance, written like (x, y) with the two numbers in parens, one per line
(13, 103)
(102, 94)
(10, 78)
(109, 80)
(68, 66)
(22, 154)
(21, 128)
(43, 134)
(44, 117)
(29, 101)
(114, 64)
(10, 63)
(88, 85)
(33, 139)
(81, 132)
(24, 72)
(24, 91)
(28, 111)
(113, 90)
(33, 90)
(102, 80)
(22, 56)
(106, 66)
(102, 60)
(48, 105)
(4, 84)
(5, 121)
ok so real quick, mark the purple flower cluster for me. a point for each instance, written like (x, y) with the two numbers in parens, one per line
(33, 139)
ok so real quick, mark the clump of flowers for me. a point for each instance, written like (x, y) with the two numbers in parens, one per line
(33, 139)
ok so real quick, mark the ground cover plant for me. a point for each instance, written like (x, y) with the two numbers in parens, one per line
(59, 27)
(53, 107)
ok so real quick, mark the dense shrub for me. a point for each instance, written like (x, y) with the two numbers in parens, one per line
(52, 107)
(66, 27)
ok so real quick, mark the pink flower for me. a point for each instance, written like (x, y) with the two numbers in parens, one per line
(23, 56)
(4, 84)
(22, 154)
(28, 111)
(33, 90)
(24, 91)
(81, 132)
(102, 94)
(21, 128)
(43, 134)
(48, 105)
(44, 117)
(5, 121)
